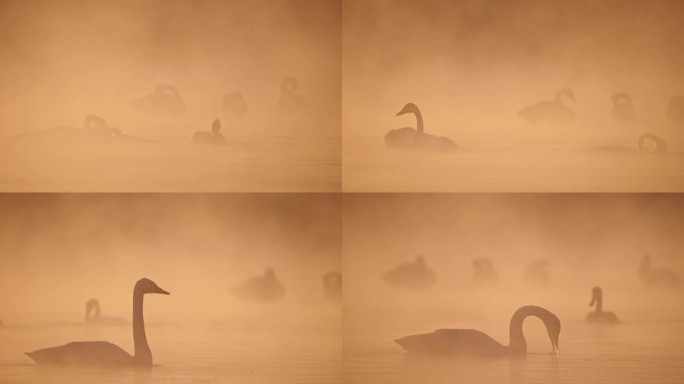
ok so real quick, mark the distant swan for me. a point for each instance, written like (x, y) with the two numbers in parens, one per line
(647, 143)
(537, 272)
(164, 101)
(103, 353)
(95, 129)
(234, 104)
(93, 316)
(475, 343)
(484, 271)
(332, 285)
(623, 110)
(290, 101)
(410, 138)
(214, 137)
(264, 288)
(411, 275)
(675, 110)
(550, 111)
(657, 276)
(599, 316)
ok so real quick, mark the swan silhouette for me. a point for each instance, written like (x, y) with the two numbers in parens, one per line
(537, 272)
(411, 275)
(332, 285)
(658, 277)
(484, 271)
(416, 138)
(234, 104)
(165, 100)
(214, 137)
(623, 110)
(550, 111)
(264, 288)
(95, 129)
(648, 143)
(103, 353)
(290, 101)
(475, 343)
(599, 316)
(675, 110)
(93, 316)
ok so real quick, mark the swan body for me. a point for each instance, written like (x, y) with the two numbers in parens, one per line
(409, 138)
(95, 129)
(264, 288)
(484, 271)
(102, 353)
(647, 143)
(93, 316)
(658, 277)
(550, 111)
(332, 285)
(411, 275)
(290, 101)
(472, 342)
(537, 272)
(165, 100)
(599, 315)
(675, 110)
(623, 111)
(234, 104)
(213, 138)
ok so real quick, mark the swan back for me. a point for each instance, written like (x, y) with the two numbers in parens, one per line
(88, 353)
(165, 100)
(411, 275)
(550, 111)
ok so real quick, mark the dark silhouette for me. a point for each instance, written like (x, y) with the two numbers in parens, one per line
(550, 111)
(675, 110)
(332, 285)
(164, 101)
(537, 272)
(484, 271)
(409, 138)
(93, 315)
(476, 343)
(95, 129)
(623, 110)
(290, 101)
(599, 315)
(657, 277)
(213, 138)
(103, 353)
(411, 275)
(264, 288)
(648, 143)
(234, 104)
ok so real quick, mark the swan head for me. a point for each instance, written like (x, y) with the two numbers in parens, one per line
(408, 108)
(553, 328)
(92, 305)
(596, 294)
(145, 285)
(216, 126)
(621, 98)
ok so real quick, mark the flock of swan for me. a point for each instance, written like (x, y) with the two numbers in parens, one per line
(164, 101)
(551, 112)
(417, 275)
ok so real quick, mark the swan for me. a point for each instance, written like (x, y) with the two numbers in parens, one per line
(550, 111)
(475, 343)
(484, 271)
(332, 285)
(657, 276)
(103, 353)
(411, 275)
(537, 272)
(416, 138)
(93, 307)
(95, 129)
(214, 137)
(675, 110)
(234, 104)
(623, 110)
(289, 101)
(647, 143)
(164, 101)
(599, 316)
(264, 288)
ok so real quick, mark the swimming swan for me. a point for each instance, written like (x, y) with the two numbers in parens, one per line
(599, 316)
(623, 110)
(95, 129)
(264, 288)
(103, 353)
(647, 143)
(165, 100)
(537, 272)
(93, 316)
(289, 101)
(657, 276)
(475, 343)
(411, 275)
(410, 138)
(484, 271)
(214, 137)
(234, 104)
(550, 111)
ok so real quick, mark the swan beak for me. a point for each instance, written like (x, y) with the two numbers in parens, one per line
(163, 292)
(403, 111)
(554, 344)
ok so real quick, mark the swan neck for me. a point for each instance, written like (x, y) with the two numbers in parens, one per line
(143, 355)
(517, 339)
(419, 121)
